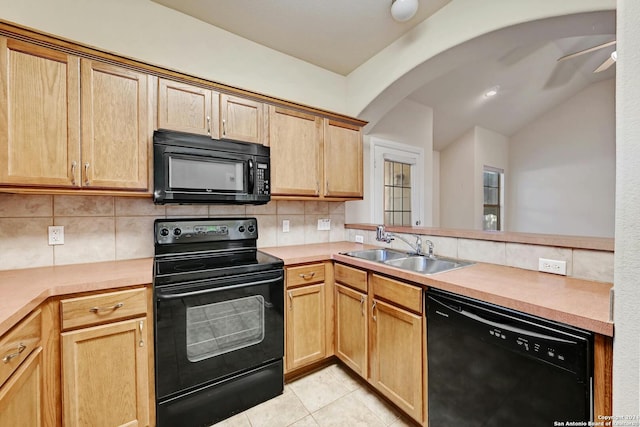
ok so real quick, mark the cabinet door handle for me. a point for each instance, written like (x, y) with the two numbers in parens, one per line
(326, 188)
(224, 127)
(373, 310)
(74, 165)
(86, 174)
(11, 356)
(141, 342)
(290, 300)
(362, 301)
(208, 125)
(112, 308)
(317, 187)
(307, 276)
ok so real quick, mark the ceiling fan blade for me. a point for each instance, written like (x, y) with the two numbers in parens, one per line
(591, 49)
(606, 64)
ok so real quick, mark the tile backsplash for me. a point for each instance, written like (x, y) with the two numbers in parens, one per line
(106, 228)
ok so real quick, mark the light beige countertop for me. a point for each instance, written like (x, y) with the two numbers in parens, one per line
(580, 303)
(23, 290)
(577, 302)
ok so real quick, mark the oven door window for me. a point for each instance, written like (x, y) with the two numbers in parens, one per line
(207, 173)
(218, 328)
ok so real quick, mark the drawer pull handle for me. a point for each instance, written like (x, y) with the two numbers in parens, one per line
(11, 356)
(307, 276)
(112, 308)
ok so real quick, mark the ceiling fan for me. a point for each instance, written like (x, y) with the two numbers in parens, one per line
(606, 64)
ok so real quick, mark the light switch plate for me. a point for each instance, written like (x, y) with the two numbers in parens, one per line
(359, 238)
(285, 225)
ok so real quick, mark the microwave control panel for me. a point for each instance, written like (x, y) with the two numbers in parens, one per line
(262, 178)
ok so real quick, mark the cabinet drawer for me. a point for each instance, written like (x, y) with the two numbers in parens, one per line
(101, 308)
(403, 294)
(352, 277)
(305, 274)
(17, 344)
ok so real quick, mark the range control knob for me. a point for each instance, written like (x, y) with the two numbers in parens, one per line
(251, 229)
(177, 232)
(241, 229)
(164, 232)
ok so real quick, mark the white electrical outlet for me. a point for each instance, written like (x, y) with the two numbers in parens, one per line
(56, 235)
(359, 238)
(324, 224)
(285, 225)
(552, 266)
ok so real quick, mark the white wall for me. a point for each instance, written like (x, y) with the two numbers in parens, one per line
(562, 168)
(408, 123)
(462, 164)
(626, 354)
(492, 149)
(457, 183)
(152, 33)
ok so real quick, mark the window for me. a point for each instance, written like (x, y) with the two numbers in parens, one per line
(397, 190)
(492, 210)
(397, 193)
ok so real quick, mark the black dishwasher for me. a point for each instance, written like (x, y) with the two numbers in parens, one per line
(492, 366)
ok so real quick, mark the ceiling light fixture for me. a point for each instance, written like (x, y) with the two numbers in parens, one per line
(492, 92)
(403, 10)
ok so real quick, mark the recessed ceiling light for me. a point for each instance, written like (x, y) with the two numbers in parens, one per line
(492, 92)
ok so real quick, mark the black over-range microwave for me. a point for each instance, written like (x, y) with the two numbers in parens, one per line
(197, 169)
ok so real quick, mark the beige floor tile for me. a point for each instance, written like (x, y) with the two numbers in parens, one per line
(403, 422)
(318, 389)
(307, 421)
(278, 412)
(382, 409)
(347, 379)
(346, 411)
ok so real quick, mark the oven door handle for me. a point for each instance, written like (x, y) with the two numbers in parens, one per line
(223, 288)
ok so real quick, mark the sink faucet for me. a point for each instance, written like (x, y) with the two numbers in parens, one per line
(386, 236)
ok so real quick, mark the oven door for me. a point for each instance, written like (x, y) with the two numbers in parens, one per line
(212, 329)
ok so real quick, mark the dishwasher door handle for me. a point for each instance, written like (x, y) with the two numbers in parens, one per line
(504, 326)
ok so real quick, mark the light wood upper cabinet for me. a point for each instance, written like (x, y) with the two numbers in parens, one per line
(342, 160)
(295, 140)
(39, 115)
(313, 157)
(115, 127)
(241, 119)
(188, 108)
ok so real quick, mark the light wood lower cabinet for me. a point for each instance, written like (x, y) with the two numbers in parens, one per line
(105, 352)
(305, 335)
(396, 356)
(21, 397)
(351, 323)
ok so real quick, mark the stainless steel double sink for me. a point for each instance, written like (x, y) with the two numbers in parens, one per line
(422, 264)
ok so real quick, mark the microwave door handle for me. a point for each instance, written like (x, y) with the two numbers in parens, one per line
(251, 176)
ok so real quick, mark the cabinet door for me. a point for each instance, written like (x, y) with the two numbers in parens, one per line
(305, 335)
(39, 115)
(116, 136)
(187, 108)
(241, 119)
(295, 140)
(105, 375)
(396, 356)
(21, 395)
(351, 329)
(342, 160)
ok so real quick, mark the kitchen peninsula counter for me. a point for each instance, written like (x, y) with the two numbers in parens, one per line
(580, 303)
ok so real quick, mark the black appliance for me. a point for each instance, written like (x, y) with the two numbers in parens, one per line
(219, 320)
(492, 366)
(197, 169)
